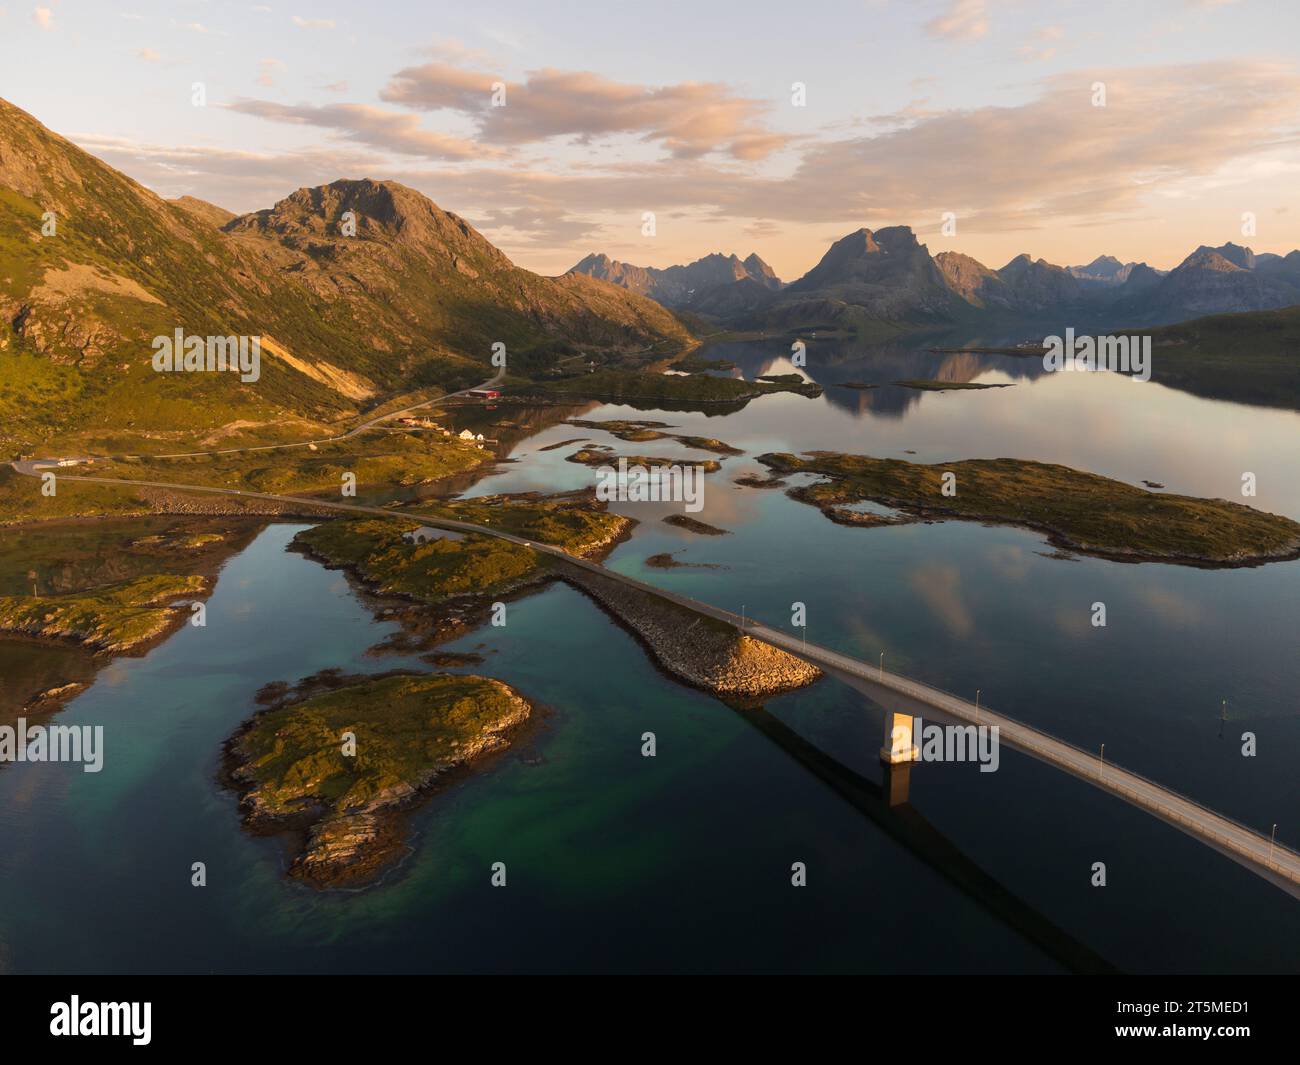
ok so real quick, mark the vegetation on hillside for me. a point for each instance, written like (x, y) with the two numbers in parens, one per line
(1252, 357)
(415, 298)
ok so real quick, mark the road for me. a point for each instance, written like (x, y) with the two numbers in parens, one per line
(370, 424)
(1278, 864)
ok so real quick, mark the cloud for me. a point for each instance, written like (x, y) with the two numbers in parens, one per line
(1166, 129)
(43, 17)
(940, 587)
(1036, 49)
(535, 225)
(238, 180)
(761, 229)
(690, 119)
(267, 70)
(965, 20)
(148, 55)
(313, 23)
(1072, 161)
(449, 50)
(392, 130)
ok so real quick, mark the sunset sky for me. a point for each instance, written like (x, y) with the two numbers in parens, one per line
(983, 108)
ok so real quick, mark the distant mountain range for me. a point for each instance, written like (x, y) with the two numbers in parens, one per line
(681, 286)
(886, 275)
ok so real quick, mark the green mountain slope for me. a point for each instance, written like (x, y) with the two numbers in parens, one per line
(416, 298)
(1252, 357)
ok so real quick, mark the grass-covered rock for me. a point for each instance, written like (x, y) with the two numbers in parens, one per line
(1080, 511)
(116, 618)
(340, 758)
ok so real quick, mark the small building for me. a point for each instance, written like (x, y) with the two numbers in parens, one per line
(484, 393)
(422, 535)
(465, 434)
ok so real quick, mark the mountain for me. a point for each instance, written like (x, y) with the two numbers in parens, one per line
(416, 274)
(1105, 270)
(680, 286)
(1036, 284)
(886, 277)
(1226, 279)
(744, 298)
(973, 281)
(210, 213)
(1242, 258)
(886, 274)
(1279, 269)
(1140, 278)
(93, 266)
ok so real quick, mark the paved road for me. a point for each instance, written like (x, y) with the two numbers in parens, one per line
(1278, 864)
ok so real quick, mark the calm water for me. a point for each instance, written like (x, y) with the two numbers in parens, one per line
(683, 861)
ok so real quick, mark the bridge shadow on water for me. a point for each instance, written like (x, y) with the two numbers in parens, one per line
(906, 825)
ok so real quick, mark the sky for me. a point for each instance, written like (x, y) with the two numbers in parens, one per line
(992, 127)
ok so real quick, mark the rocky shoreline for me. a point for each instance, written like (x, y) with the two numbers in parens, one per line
(699, 651)
(104, 626)
(1076, 511)
(352, 846)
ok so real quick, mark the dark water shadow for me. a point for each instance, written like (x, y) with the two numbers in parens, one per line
(907, 826)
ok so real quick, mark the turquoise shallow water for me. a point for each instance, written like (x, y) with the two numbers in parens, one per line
(682, 862)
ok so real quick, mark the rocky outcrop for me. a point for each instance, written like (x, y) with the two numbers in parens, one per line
(704, 653)
(413, 732)
(973, 281)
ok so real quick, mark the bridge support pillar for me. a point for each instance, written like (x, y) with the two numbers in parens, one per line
(898, 779)
(899, 747)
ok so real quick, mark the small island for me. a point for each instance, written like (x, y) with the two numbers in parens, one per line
(695, 363)
(341, 760)
(703, 528)
(589, 457)
(929, 385)
(641, 431)
(122, 618)
(1078, 511)
(669, 391)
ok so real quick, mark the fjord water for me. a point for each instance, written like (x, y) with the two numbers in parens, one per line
(682, 862)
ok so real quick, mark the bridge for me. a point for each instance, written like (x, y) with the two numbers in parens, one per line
(897, 694)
